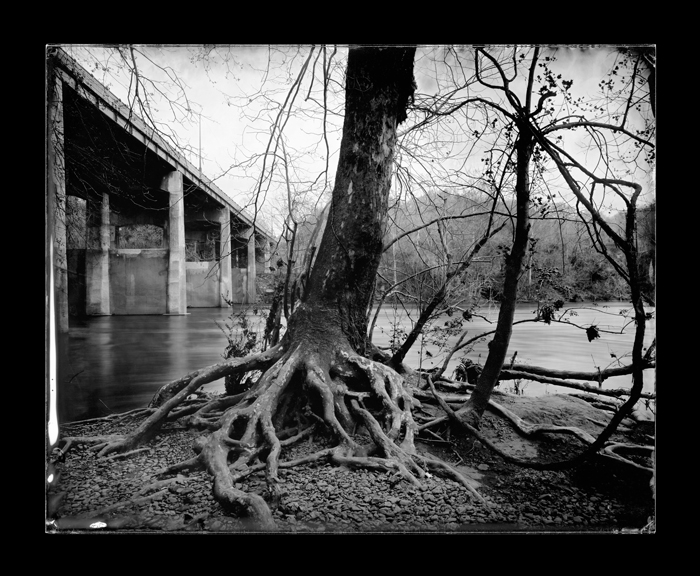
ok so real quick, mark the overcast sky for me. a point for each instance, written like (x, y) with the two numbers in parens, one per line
(218, 85)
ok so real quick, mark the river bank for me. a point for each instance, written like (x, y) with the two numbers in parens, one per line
(111, 364)
(122, 495)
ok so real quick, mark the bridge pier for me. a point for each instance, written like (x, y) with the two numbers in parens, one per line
(225, 246)
(251, 292)
(134, 259)
(267, 251)
(97, 292)
(56, 205)
(177, 273)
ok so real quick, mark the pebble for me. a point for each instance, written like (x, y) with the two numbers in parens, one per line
(326, 498)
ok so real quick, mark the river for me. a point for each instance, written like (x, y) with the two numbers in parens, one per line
(111, 364)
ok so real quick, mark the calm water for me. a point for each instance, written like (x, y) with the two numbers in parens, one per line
(116, 363)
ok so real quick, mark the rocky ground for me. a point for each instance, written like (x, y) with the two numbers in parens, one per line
(122, 495)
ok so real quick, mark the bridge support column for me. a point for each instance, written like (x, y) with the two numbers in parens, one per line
(225, 290)
(268, 255)
(97, 266)
(177, 273)
(56, 206)
(251, 292)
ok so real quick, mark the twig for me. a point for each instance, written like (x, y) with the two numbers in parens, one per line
(436, 435)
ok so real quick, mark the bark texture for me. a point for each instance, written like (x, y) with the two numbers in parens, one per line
(379, 85)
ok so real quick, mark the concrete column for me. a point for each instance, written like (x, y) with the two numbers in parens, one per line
(97, 266)
(268, 255)
(56, 205)
(252, 296)
(177, 271)
(225, 290)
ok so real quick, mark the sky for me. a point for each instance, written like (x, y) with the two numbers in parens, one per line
(222, 88)
(231, 108)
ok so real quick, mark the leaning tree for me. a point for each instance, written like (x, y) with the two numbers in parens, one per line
(619, 139)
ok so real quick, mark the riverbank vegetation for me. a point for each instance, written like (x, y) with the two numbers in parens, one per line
(463, 174)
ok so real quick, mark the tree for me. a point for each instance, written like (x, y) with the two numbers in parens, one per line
(451, 273)
(321, 374)
(320, 363)
(628, 190)
(538, 135)
(524, 148)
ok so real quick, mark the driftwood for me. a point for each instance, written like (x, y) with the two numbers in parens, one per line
(563, 378)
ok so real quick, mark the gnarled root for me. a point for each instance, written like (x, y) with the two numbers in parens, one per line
(301, 387)
(530, 430)
(613, 449)
(174, 394)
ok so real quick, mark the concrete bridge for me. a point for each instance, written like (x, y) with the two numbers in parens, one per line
(132, 226)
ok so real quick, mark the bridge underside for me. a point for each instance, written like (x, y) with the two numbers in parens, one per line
(141, 237)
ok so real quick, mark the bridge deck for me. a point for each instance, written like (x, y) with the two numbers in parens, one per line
(90, 89)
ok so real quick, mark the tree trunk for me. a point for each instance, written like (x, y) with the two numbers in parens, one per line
(319, 365)
(379, 84)
(498, 347)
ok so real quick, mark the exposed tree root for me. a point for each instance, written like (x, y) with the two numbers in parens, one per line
(98, 441)
(608, 451)
(135, 413)
(440, 466)
(175, 393)
(130, 502)
(612, 449)
(301, 386)
(529, 430)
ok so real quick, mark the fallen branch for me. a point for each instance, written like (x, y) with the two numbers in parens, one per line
(558, 378)
(507, 374)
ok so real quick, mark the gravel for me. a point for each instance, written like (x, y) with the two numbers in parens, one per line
(91, 494)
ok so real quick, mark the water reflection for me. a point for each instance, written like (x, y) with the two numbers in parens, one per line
(555, 346)
(115, 363)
